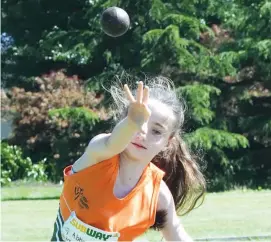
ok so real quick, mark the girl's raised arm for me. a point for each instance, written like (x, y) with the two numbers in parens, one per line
(105, 146)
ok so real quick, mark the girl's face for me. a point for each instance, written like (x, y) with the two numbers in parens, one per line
(157, 137)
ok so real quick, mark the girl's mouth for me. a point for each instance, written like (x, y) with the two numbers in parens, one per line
(139, 146)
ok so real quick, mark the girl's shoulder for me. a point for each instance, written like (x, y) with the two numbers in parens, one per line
(108, 166)
(164, 197)
(156, 169)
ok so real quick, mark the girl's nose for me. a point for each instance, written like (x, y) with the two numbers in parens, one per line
(140, 135)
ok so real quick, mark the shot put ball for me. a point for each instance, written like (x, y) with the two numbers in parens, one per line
(115, 21)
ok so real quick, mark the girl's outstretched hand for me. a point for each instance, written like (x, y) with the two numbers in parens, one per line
(138, 111)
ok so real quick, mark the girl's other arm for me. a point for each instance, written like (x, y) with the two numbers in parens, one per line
(173, 229)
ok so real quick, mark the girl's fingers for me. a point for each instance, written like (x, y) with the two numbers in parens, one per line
(147, 110)
(139, 93)
(128, 93)
(146, 95)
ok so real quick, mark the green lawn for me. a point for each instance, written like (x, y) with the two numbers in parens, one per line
(226, 214)
(26, 191)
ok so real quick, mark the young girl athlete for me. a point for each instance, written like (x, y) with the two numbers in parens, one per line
(134, 178)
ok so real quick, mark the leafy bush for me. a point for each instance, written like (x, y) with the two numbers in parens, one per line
(15, 166)
(55, 119)
(38, 172)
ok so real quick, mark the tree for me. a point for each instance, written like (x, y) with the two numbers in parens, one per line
(247, 93)
(181, 40)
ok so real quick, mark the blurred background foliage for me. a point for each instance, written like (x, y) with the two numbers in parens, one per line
(56, 60)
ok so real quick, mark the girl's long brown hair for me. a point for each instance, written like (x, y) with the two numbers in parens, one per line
(183, 178)
(183, 175)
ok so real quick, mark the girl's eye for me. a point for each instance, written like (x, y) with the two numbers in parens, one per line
(156, 132)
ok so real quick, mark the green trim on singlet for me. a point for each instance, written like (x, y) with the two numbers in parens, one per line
(57, 227)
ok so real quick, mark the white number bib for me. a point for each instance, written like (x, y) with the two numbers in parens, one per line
(75, 230)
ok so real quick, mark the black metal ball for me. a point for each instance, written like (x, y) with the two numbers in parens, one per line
(115, 21)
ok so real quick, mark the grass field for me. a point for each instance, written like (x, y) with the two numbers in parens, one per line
(27, 191)
(228, 214)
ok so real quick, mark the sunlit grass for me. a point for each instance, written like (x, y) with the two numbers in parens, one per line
(226, 214)
(26, 191)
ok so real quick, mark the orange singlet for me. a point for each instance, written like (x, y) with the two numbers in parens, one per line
(90, 194)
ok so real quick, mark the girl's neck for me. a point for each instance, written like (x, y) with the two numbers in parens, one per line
(130, 170)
